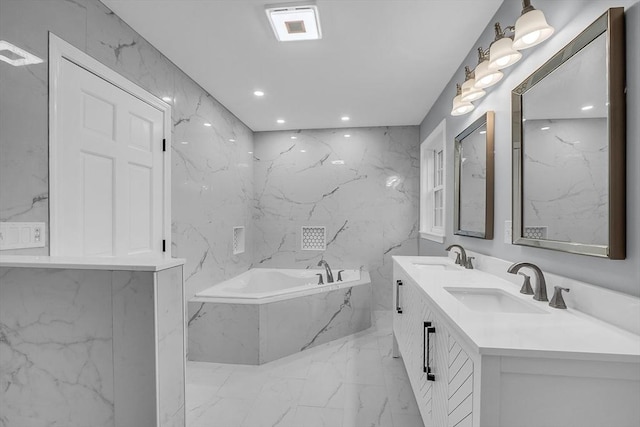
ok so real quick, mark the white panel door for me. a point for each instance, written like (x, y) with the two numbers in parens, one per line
(110, 166)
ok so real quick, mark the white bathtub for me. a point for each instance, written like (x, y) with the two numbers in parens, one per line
(260, 285)
(264, 314)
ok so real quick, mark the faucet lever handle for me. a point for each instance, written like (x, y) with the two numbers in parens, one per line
(557, 301)
(340, 275)
(320, 281)
(526, 286)
(469, 263)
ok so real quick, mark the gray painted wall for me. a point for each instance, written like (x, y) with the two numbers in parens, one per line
(569, 18)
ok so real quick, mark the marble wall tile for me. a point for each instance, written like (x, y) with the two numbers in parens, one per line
(56, 362)
(212, 175)
(170, 330)
(369, 204)
(134, 348)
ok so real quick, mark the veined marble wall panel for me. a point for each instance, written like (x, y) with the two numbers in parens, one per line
(134, 348)
(212, 175)
(56, 360)
(369, 204)
(170, 331)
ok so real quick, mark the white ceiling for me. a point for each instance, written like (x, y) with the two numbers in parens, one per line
(380, 62)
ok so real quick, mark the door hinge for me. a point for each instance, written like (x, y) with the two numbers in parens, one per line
(164, 246)
(164, 144)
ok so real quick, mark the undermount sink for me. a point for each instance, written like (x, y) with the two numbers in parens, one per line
(435, 266)
(492, 300)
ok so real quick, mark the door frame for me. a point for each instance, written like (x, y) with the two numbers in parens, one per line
(60, 50)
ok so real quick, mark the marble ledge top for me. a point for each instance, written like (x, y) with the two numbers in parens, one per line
(130, 263)
(565, 334)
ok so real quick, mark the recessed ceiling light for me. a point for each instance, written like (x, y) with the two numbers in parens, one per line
(208, 125)
(232, 140)
(545, 128)
(337, 162)
(258, 93)
(280, 121)
(294, 23)
(347, 135)
(250, 152)
(303, 151)
(184, 142)
(587, 107)
(344, 118)
(167, 99)
(16, 56)
(294, 137)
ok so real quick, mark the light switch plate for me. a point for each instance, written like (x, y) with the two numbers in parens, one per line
(508, 232)
(20, 235)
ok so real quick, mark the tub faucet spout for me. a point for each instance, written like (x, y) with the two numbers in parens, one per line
(327, 269)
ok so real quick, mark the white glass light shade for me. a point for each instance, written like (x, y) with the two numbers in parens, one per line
(470, 93)
(531, 29)
(502, 54)
(460, 107)
(485, 76)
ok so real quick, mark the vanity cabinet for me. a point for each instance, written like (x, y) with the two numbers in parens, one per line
(551, 369)
(440, 370)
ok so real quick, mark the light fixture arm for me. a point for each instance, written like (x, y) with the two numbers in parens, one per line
(482, 54)
(500, 33)
(526, 7)
(468, 73)
(458, 89)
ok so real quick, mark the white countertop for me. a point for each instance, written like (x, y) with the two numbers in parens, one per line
(552, 333)
(130, 263)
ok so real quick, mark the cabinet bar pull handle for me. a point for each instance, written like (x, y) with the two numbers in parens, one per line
(398, 308)
(427, 329)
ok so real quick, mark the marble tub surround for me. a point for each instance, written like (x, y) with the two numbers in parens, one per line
(368, 202)
(212, 168)
(568, 334)
(95, 347)
(257, 331)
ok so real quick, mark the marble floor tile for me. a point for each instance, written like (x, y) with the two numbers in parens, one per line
(309, 416)
(350, 382)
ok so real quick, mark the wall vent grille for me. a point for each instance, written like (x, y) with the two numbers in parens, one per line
(314, 238)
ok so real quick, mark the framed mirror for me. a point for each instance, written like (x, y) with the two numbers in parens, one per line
(568, 138)
(473, 204)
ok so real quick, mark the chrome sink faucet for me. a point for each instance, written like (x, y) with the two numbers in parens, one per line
(461, 257)
(327, 269)
(540, 290)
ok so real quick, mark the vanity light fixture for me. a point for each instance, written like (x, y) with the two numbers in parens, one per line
(485, 77)
(531, 27)
(502, 53)
(294, 22)
(470, 92)
(258, 93)
(280, 121)
(15, 56)
(460, 107)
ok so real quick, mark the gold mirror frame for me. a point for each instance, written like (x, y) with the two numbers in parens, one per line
(487, 119)
(610, 23)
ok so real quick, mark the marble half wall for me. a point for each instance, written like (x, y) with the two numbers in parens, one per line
(212, 177)
(363, 189)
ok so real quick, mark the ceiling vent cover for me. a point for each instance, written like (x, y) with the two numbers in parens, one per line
(294, 22)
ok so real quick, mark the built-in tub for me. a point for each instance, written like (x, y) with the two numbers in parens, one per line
(264, 314)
